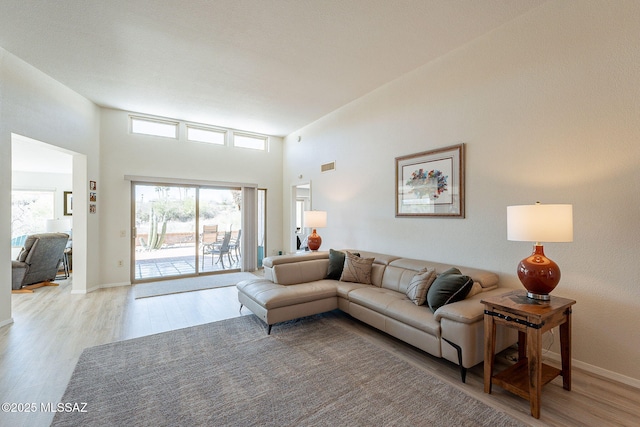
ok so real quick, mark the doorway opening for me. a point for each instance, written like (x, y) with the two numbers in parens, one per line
(41, 177)
(301, 196)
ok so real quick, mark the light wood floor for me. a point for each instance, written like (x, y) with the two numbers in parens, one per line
(51, 328)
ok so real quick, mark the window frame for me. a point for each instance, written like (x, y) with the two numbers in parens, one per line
(211, 129)
(264, 138)
(175, 124)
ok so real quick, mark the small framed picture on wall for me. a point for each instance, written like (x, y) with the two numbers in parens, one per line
(68, 203)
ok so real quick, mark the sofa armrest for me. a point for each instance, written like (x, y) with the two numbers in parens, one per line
(18, 271)
(469, 310)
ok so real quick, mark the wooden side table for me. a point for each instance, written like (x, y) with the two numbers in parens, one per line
(531, 318)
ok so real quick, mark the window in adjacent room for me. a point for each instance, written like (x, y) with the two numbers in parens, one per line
(30, 210)
(154, 127)
(253, 142)
(211, 136)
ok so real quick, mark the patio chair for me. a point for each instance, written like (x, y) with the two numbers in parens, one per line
(223, 249)
(38, 262)
(234, 246)
(208, 240)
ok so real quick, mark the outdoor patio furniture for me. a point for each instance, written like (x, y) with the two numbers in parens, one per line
(223, 249)
(208, 240)
(234, 246)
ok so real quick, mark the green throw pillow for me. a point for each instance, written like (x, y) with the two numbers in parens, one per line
(336, 264)
(450, 286)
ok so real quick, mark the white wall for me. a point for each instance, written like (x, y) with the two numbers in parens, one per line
(36, 106)
(549, 109)
(123, 153)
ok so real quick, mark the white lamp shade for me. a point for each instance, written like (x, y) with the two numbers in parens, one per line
(540, 223)
(315, 219)
(58, 226)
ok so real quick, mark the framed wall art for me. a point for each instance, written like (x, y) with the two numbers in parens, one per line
(431, 183)
(68, 203)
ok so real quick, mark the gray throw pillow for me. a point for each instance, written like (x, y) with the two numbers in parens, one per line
(450, 286)
(419, 285)
(336, 264)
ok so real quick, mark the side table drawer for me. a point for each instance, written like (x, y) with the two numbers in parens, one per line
(512, 320)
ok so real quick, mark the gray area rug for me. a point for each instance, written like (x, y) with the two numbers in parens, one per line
(313, 372)
(189, 284)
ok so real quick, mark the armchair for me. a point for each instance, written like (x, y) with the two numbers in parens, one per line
(38, 262)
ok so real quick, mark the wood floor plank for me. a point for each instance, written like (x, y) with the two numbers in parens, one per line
(52, 327)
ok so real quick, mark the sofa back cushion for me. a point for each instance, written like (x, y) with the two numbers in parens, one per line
(381, 261)
(400, 272)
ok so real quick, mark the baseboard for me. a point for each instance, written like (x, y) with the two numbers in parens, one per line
(97, 287)
(610, 375)
(6, 322)
(114, 285)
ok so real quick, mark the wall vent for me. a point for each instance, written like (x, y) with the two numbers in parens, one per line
(327, 167)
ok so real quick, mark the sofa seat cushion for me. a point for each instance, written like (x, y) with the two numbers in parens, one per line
(344, 288)
(420, 317)
(397, 306)
(254, 287)
(272, 295)
(374, 298)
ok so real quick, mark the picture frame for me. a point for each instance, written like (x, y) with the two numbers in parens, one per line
(431, 183)
(92, 186)
(68, 203)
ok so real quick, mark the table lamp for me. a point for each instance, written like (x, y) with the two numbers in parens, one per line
(58, 226)
(314, 219)
(539, 223)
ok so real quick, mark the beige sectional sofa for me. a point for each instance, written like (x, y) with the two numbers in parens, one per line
(295, 286)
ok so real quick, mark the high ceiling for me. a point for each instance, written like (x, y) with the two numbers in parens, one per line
(267, 66)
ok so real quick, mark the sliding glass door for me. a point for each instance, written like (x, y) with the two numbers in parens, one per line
(220, 228)
(165, 224)
(186, 230)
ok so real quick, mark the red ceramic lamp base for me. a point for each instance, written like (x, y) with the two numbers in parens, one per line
(314, 241)
(538, 274)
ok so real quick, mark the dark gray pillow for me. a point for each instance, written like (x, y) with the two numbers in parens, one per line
(336, 264)
(450, 286)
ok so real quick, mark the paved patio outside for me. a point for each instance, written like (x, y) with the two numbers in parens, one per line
(175, 261)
